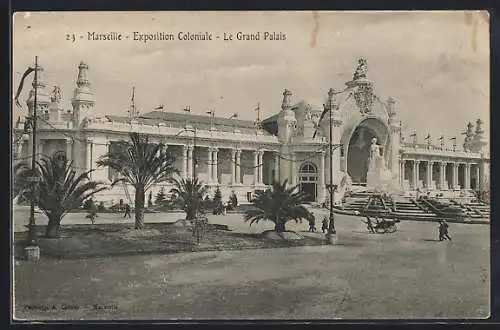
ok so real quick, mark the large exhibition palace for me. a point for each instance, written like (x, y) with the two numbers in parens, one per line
(244, 156)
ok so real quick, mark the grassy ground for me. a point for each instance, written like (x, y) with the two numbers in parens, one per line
(107, 240)
(408, 274)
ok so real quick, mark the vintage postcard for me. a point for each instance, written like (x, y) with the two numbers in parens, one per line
(250, 165)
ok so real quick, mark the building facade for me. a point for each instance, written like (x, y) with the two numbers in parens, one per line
(242, 156)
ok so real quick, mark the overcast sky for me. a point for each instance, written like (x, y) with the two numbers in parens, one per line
(435, 64)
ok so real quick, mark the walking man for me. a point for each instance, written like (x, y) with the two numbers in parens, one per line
(312, 223)
(443, 231)
(370, 225)
(127, 211)
(324, 224)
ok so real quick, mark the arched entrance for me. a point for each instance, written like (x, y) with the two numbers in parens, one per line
(308, 177)
(359, 147)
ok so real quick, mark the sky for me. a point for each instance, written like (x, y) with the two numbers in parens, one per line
(435, 64)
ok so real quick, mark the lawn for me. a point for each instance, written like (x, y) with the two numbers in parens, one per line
(407, 274)
(120, 239)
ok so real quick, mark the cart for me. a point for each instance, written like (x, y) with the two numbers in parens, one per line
(381, 225)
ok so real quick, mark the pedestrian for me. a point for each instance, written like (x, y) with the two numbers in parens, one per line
(324, 224)
(127, 211)
(312, 223)
(443, 231)
(370, 225)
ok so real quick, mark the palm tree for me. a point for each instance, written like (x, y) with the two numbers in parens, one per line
(278, 204)
(20, 184)
(61, 190)
(141, 164)
(190, 194)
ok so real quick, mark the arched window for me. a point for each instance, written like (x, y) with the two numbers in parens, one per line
(308, 168)
(308, 173)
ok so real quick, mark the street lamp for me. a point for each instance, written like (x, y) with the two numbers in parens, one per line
(32, 248)
(330, 107)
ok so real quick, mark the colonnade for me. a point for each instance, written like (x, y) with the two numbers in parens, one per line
(445, 179)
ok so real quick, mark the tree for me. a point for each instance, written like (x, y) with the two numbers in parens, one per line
(190, 194)
(218, 206)
(161, 197)
(278, 204)
(141, 164)
(61, 190)
(20, 184)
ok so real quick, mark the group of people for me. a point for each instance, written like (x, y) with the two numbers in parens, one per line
(312, 224)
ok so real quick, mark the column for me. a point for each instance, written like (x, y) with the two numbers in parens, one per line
(184, 173)
(69, 149)
(442, 176)
(293, 167)
(402, 172)
(40, 149)
(261, 166)
(210, 165)
(19, 150)
(322, 176)
(233, 166)
(478, 176)
(429, 174)
(467, 175)
(238, 166)
(190, 162)
(88, 160)
(255, 167)
(277, 166)
(215, 168)
(416, 174)
(455, 176)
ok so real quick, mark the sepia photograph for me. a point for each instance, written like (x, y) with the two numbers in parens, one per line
(279, 165)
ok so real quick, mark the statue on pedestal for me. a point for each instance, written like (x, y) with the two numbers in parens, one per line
(375, 159)
(378, 177)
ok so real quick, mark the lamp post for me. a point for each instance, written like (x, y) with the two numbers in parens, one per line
(332, 147)
(32, 250)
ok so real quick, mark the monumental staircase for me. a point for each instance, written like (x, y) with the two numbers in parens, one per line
(407, 208)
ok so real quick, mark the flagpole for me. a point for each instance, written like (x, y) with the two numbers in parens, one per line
(31, 225)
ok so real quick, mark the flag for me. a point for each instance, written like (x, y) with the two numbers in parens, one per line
(234, 115)
(325, 110)
(187, 109)
(211, 113)
(258, 107)
(427, 137)
(160, 107)
(21, 83)
(453, 138)
(133, 94)
(413, 135)
(441, 138)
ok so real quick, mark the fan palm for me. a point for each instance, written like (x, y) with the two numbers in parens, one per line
(20, 184)
(190, 194)
(278, 204)
(61, 190)
(141, 164)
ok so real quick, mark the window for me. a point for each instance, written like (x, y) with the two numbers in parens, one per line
(308, 168)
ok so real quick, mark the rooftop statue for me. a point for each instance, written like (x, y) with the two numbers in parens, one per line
(56, 94)
(361, 70)
(479, 127)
